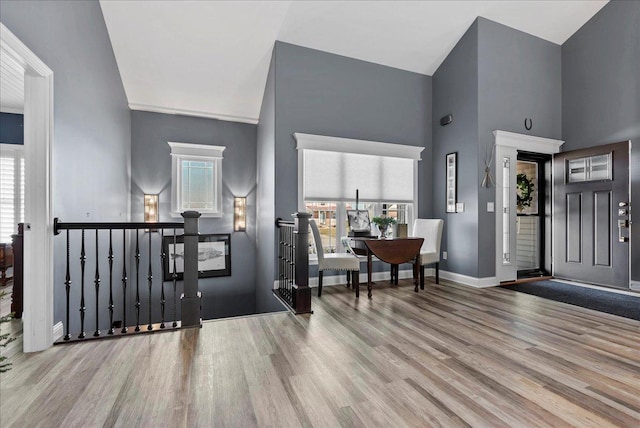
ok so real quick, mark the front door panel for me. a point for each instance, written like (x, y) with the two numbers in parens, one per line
(588, 186)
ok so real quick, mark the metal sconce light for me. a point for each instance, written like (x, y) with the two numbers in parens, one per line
(240, 214)
(150, 208)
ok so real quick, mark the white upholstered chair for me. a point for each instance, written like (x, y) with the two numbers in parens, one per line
(334, 261)
(431, 231)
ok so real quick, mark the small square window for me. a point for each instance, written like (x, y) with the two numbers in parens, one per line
(196, 179)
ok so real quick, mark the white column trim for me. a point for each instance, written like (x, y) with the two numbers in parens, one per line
(38, 236)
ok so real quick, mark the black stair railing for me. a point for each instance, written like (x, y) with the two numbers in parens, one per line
(190, 300)
(293, 263)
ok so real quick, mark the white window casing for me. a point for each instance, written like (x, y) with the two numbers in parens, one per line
(187, 159)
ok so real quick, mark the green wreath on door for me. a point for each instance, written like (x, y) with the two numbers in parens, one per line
(524, 191)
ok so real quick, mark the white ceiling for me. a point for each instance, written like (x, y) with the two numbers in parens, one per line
(211, 58)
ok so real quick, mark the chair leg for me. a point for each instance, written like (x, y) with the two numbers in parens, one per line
(356, 282)
(348, 279)
(422, 277)
(437, 273)
(319, 283)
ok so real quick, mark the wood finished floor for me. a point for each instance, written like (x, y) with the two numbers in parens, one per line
(448, 356)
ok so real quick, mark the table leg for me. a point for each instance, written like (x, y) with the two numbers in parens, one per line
(369, 269)
(416, 267)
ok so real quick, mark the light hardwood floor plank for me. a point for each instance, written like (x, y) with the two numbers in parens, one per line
(448, 356)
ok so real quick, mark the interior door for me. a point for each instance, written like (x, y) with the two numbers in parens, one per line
(591, 234)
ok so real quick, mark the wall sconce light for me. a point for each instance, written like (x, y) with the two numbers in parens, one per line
(150, 208)
(240, 214)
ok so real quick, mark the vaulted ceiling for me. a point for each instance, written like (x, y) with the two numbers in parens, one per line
(211, 58)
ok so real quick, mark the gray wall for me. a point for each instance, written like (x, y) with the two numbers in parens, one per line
(494, 78)
(455, 91)
(151, 173)
(601, 90)
(92, 124)
(519, 76)
(327, 94)
(315, 92)
(266, 165)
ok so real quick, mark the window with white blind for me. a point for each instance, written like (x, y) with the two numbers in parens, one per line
(331, 169)
(11, 190)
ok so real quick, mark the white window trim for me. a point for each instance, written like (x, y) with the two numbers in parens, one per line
(189, 151)
(349, 145)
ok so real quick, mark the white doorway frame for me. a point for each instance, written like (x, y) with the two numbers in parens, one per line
(507, 145)
(37, 315)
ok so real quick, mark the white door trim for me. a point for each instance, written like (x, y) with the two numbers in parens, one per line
(38, 236)
(507, 145)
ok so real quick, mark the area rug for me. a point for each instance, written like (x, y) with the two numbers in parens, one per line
(598, 300)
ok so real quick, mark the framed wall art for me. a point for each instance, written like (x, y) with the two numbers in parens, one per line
(214, 256)
(452, 178)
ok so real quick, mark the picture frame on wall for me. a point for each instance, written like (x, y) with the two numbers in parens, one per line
(214, 256)
(451, 181)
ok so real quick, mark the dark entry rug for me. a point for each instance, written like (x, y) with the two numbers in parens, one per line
(598, 300)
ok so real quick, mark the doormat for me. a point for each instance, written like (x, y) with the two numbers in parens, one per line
(604, 301)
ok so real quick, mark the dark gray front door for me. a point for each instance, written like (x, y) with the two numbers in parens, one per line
(589, 243)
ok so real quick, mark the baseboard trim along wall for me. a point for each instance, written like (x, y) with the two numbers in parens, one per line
(58, 331)
(331, 280)
(635, 285)
(471, 281)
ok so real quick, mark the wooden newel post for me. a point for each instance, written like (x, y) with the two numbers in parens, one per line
(191, 299)
(301, 290)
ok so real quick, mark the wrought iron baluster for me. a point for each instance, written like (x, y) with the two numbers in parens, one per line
(280, 260)
(96, 281)
(67, 286)
(137, 257)
(291, 276)
(110, 258)
(175, 279)
(150, 280)
(293, 264)
(124, 282)
(163, 256)
(82, 307)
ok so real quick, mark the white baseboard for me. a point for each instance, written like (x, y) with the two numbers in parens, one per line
(635, 285)
(471, 281)
(58, 331)
(331, 280)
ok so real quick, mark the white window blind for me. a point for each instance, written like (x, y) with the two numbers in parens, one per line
(335, 176)
(332, 168)
(11, 190)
